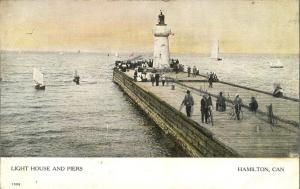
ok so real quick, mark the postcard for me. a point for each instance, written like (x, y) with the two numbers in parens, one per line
(149, 94)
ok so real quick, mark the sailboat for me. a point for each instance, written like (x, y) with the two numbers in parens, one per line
(278, 64)
(38, 78)
(215, 51)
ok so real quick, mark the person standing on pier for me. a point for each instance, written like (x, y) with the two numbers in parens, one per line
(253, 105)
(135, 75)
(238, 105)
(152, 79)
(177, 66)
(157, 79)
(220, 104)
(209, 101)
(204, 109)
(194, 71)
(163, 79)
(188, 101)
(189, 71)
(209, 82)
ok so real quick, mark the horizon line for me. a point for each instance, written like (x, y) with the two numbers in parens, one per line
(127, 52)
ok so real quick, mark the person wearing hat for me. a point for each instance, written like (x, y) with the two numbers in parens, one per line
(237, 105)
(204, 109)
(220, 104)
(253, 105)
(188, 101)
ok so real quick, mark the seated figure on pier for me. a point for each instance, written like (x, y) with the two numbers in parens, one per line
(220, 104)
(278, 92)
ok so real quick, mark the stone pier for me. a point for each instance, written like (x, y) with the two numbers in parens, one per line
(252, 136)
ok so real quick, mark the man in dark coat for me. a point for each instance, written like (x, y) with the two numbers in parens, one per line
(157, 79)
(152, 79)
(253, 105)
(210, 81)
(135, 75)
(188, 101)
(204, 109)
(189, 71)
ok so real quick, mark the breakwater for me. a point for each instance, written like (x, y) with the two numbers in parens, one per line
(194, 139)
(253, 136)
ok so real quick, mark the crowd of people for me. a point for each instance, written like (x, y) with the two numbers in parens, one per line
(174, 64)
(156, 78)
(127, 65)
(212, 77)
(193, 71)
(206, 105)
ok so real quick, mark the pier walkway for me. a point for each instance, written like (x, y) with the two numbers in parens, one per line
(284, 108)
(252, 136)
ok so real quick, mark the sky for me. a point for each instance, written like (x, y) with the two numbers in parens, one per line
(241, 26)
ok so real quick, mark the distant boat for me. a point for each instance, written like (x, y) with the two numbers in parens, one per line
(38, 78)
(215, 51)
(78, 51)
(278, 64)
(76, 78)
(61, 53)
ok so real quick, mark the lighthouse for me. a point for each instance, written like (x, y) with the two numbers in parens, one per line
(161, 54)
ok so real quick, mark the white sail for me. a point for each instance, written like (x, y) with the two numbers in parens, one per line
(75, 73)
(215, 50)
(277, 64)
(38, 77)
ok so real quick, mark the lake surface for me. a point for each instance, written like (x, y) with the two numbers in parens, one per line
(94, 119)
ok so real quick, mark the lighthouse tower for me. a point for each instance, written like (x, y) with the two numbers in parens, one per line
(161, 54)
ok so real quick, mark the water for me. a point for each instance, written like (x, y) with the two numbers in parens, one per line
(251, 70)
(94, 119)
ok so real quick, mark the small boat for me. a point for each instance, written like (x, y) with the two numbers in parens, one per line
(215, 51)
(278, 64)
(76, 78)
(38, 78)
